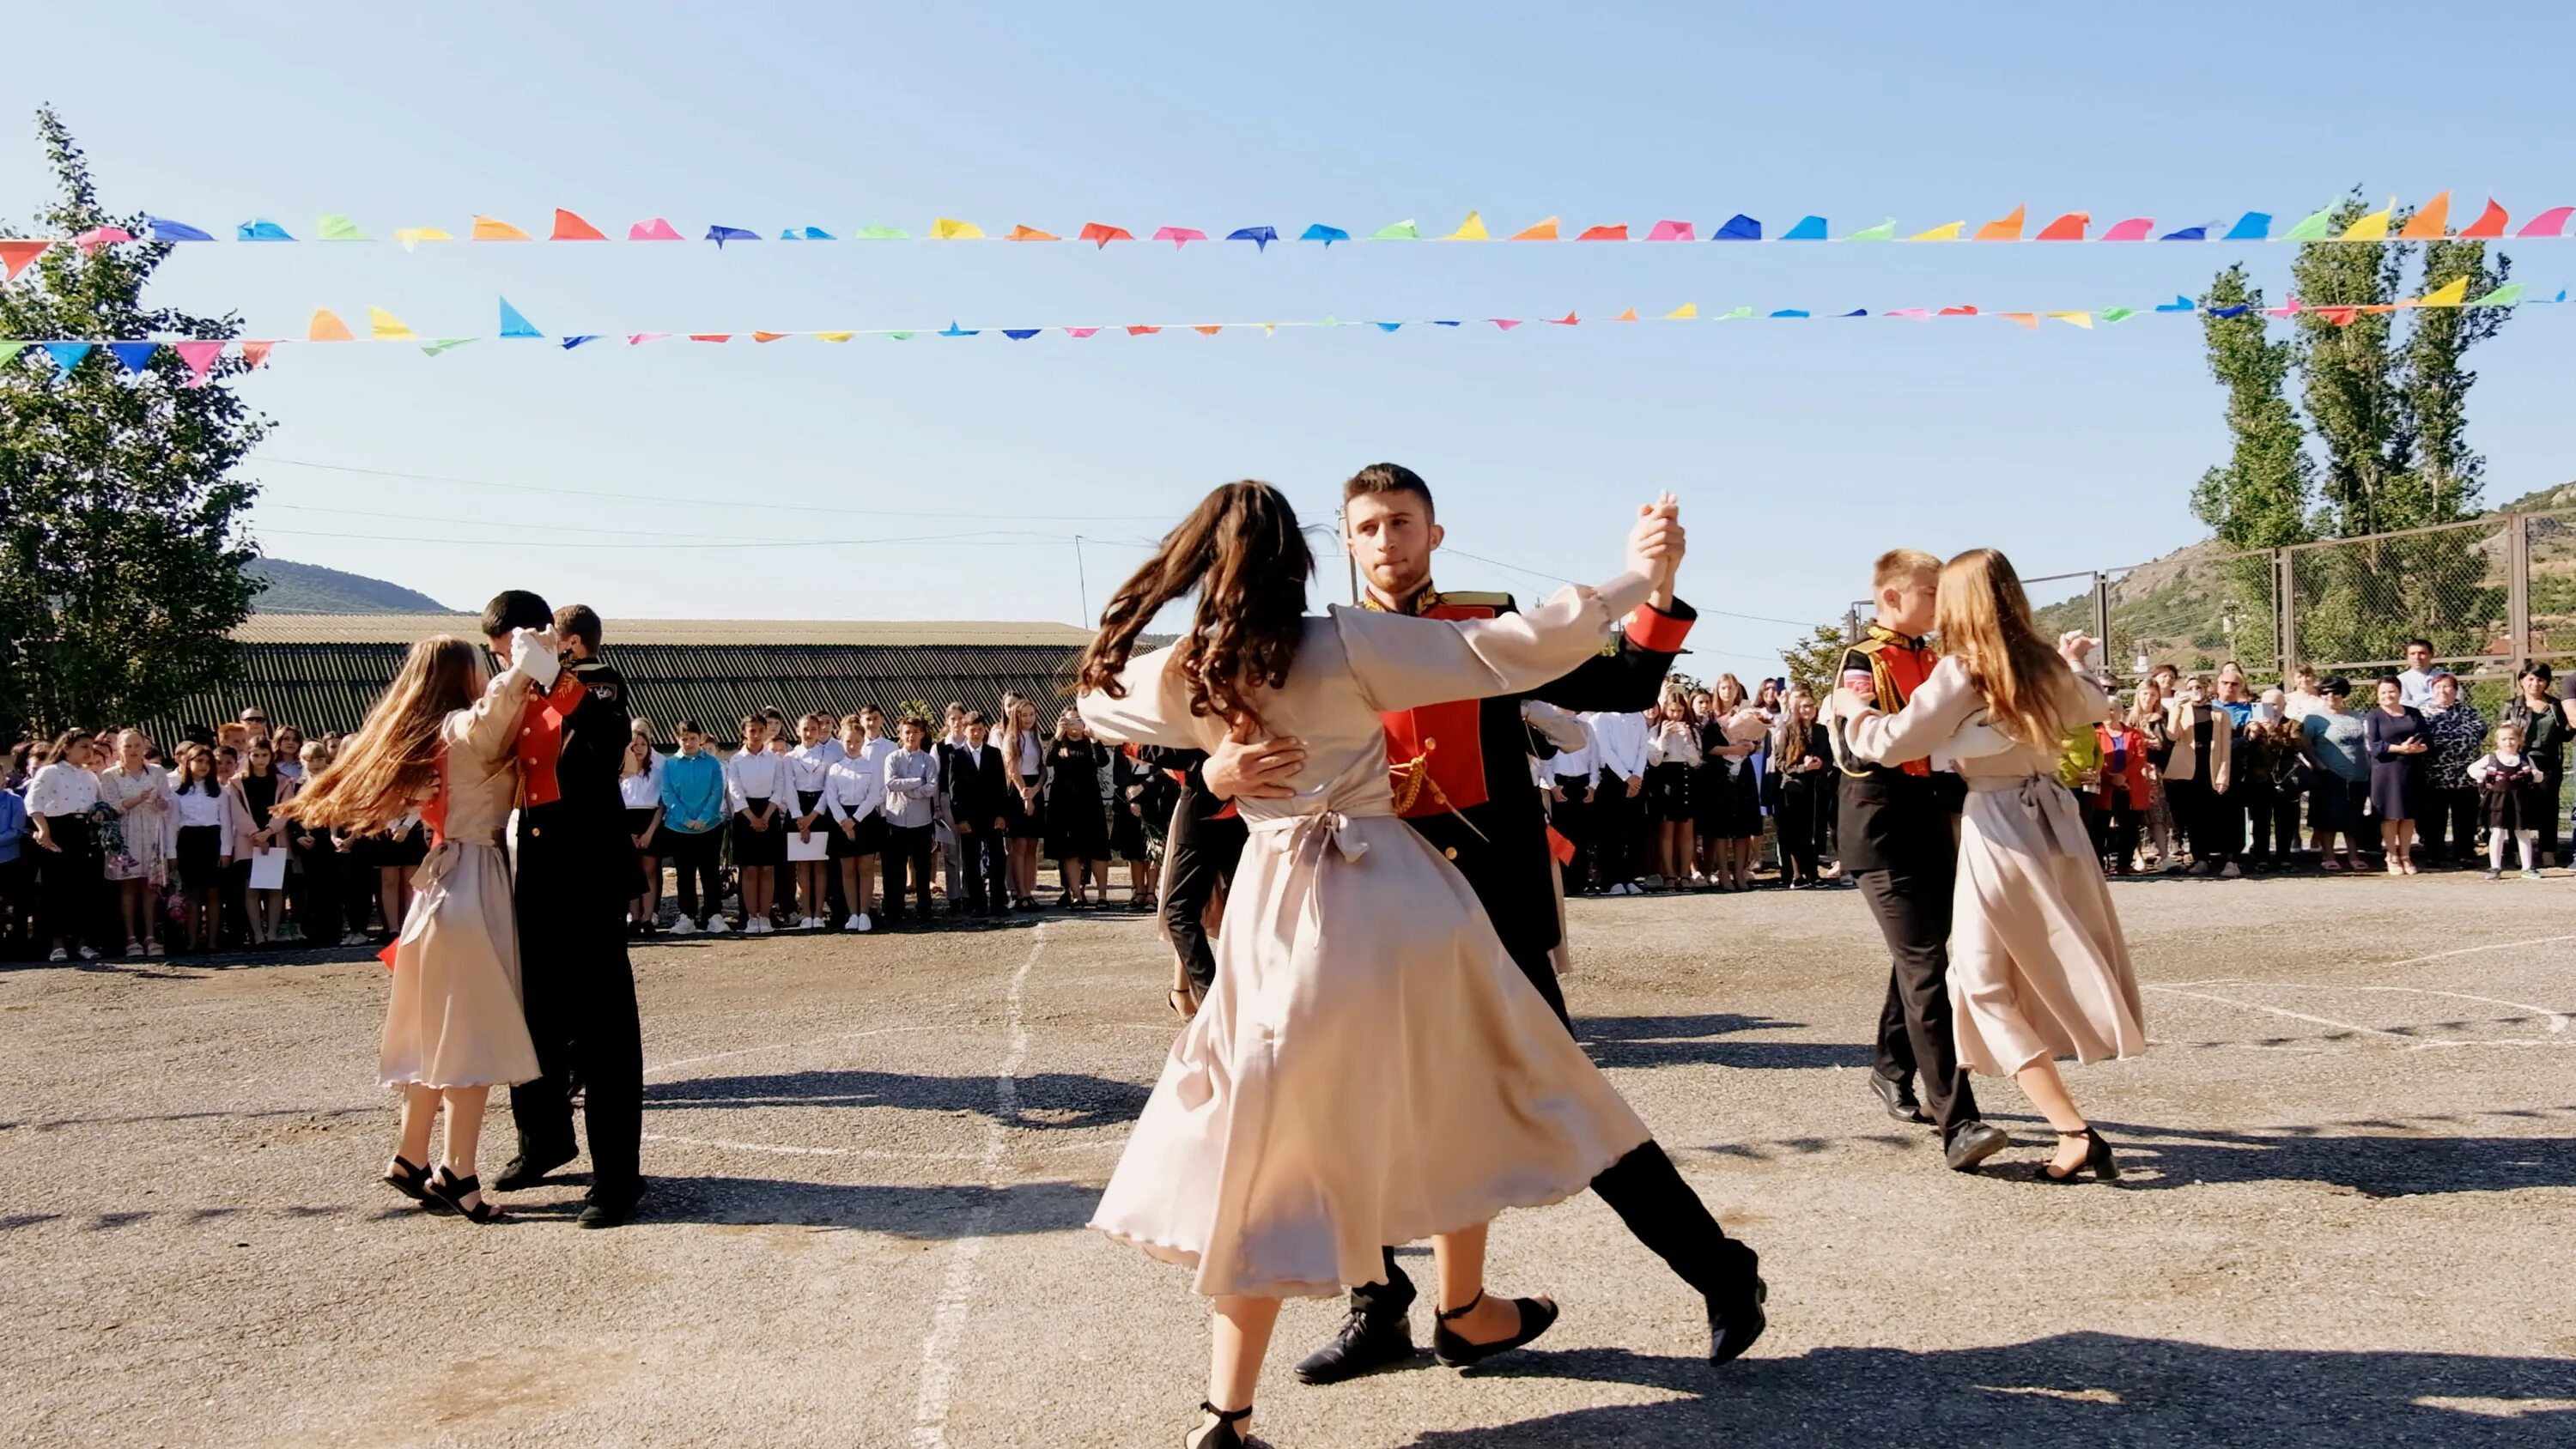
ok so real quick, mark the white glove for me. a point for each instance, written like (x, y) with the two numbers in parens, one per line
(533, 654)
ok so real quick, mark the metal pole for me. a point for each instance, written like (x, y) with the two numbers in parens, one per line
(1081, 579)
(2284, 587)
(2102, 613)
(1342, 536)
(2517, 564)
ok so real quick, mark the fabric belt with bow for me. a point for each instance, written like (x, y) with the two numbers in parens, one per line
(1312, 836)
(2049, 805)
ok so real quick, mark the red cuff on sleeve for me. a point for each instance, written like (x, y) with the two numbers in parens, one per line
(1651, 629)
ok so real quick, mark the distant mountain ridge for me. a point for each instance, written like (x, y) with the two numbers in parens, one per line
(296, 588)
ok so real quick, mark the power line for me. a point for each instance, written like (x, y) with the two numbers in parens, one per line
(1560, 578)
(551, 528)
(986, 540)
(667, 498)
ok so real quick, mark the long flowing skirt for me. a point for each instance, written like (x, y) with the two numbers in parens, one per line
(456, 1018)
(1370, 1069)
(2038, 966)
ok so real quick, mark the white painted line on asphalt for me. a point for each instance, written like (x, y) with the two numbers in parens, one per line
(2447, 955)
(1104, 1144)
(957, 1290)
(2557, 1019)
(2277, 1011)
(784, 1045)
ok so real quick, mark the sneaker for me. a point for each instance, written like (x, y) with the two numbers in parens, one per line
(90, 953)
(717, 925)
(2230, 872)
(2531, 872)
(2495, 875)
(682, 927)
(59, 955)
(757, 926)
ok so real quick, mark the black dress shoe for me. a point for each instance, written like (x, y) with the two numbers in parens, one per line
(1733, 1325)
(527, 1170)
(1899, 1099)
(1973, 1143)
(610, 1207)
(1364, 1345)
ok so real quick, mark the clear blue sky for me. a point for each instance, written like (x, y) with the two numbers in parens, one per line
(1798, 449)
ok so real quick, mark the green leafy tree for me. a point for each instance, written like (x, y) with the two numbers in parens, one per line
(2260, 499)
(122, 564)
(1815, 661)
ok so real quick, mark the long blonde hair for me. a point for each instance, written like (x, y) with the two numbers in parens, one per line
(393, 763)
(1984, 619)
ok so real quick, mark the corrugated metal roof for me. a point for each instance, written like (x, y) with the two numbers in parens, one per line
(405, 628)
(321, 687)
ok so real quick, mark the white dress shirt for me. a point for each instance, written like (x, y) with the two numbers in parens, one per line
(641, 790)
(912, 787)
(1619, 742)
(197, 808)
(854, 789)
(62, 788)
(1576, 764)
(1673, 744)
(761, 776)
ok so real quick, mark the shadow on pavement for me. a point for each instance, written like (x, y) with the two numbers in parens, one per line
(2378, 1166)
(1047, 1100)
(2076, 1388)
(942, 1211)
(1688, 1041)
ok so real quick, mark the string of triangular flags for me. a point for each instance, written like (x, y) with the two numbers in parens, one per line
(2431, 223)
(199, 356)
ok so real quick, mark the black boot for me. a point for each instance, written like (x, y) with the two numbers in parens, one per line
(1377, 1334)
(1649, 1195)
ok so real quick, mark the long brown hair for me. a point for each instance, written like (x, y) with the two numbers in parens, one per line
(1240, 550)
(1984, 619)
(393, 763)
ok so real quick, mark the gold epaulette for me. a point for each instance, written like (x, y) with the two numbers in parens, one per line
(1867, 646)
(1471, 598)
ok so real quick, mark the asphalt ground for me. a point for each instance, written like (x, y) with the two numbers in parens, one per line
(2349, 1216)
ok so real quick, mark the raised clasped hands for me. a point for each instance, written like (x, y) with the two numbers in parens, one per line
(1242, 768)
(1656, 544)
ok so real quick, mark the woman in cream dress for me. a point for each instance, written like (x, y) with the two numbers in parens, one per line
(2038, 967)
(1370, 1067)
(442, 742)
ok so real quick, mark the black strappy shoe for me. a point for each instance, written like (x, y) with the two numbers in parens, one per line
(409, 1179)
(1221, 1434)
(2097, 1156)
(1537, 1316)
(452, 1190)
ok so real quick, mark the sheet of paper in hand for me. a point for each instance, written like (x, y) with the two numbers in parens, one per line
(808, 847)
(267, 870)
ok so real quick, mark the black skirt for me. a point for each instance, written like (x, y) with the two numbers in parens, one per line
(1727, 803)
(758, 847)
(201, 865)
(1019, 822)
(636, 820)
(405, 851)
(1126, 831)
(867, 840)
(1668, 791)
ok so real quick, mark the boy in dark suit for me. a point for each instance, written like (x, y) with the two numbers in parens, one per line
(971, 777)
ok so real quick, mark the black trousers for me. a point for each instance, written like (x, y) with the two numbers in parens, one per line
(1661, 1211)
(986, 856)
(2114, 827)
(1801, 823)
(694, 860)
(1616, 824)
(907, 853)
(580, 993)
(1914, 1035)
(1199, 855)
(2451, 822)
(1574, 820)
(2274, 818)
(71, 883)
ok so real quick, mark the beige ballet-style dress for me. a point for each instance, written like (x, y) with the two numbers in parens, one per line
(455, 1018)
(2038, 966)
(1370, 1067)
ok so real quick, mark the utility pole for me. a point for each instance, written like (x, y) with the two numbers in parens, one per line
(1082, 580)
(1342, 536)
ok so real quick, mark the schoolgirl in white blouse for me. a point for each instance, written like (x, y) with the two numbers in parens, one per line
(854, 794)
(807, 764)
(757, 789)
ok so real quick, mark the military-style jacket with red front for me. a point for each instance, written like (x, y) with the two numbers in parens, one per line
(1894, 818)
(1461, 769)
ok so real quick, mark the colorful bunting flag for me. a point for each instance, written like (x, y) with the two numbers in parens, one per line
(2373, 227)
(1948, 231)
(445, 344)
(770, 336)
(1207, 329)
(2006, 228)
(655, 229)
(816, 233)
(9, 352)
(1543, 231)
(950, 229)
(2069, 227)
(1020, 334)
(1030, 233)
(2136, 228)
(1884, 231)
(1179, 236)
(1672, 231)
(710, 337)
(255, 354)
(2432, 223)
(17, 256)
(326, 326)
(1683, 312)
(92, 240)
(879, 231)
(2252, 226)
(2118, 314)
(572, 342)
(412, 236)
(1605, 233)
(384, 326)
(133, 356)
(1260, 236)
(66, 355)
(2490, 222)
(261, 230)
(2552, 222)
(335, 227)
(2450, 294)
(2311, 227)
(491, 229)
(2075, 319)
(514, 325)
(1396, 231)
(164, 229)
(2021, 319)
(2504, 296)
(835, 336)
(1102, 236)
(1472, 229)
(1809, 228)
(1325, 234)
(1740, 227)
(722, 234)
(569, 227)
(639, 339)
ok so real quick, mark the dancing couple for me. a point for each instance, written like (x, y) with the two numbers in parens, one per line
(2007, 954)
(1308, 1116)
(522, 983)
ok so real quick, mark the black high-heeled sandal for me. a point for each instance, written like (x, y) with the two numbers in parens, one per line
(1221, 1434)
(2097, 1156)
(409, 1178)
(1537, 1316)
(452, 1190)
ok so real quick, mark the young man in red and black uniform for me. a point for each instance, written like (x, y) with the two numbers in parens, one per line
(1899, 831)
(574, 864)
(1462, 778)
